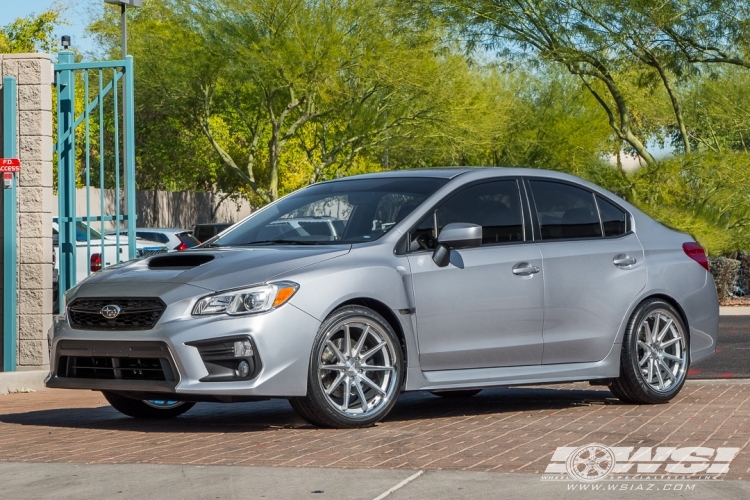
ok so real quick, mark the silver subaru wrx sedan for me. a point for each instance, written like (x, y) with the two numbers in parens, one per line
(343, 294)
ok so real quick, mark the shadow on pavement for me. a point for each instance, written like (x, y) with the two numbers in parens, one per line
(277, 414)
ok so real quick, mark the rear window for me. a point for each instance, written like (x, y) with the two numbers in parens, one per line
(188, 239)
(150, 236)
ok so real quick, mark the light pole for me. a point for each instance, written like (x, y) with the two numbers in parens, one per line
(124, 4)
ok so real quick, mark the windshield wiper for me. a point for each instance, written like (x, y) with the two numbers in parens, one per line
(281, 242)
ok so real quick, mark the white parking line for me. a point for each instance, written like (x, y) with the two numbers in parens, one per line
(399, 485)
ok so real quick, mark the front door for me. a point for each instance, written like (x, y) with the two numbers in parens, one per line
(485, 309)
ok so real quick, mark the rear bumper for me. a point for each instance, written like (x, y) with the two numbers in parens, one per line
(702, 311)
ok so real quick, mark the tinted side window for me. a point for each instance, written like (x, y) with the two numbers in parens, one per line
(204, 233)
(613, 219)
(565, 211)
(496, 206)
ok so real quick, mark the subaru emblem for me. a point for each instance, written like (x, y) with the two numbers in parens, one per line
(110, 311)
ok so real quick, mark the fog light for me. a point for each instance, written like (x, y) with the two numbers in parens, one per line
(243, 369)
(243, 349)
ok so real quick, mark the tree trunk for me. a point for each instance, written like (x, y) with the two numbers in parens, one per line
(636, 144)
(675, 104)
(273, 164)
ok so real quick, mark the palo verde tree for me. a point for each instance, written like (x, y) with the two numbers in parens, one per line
(32, 33)
(349, 74)
(618, 49)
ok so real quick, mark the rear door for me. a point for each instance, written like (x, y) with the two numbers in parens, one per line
(593, 269)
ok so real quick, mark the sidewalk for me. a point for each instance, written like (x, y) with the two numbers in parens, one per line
(734, 311)
(23, 381)
(167, 482)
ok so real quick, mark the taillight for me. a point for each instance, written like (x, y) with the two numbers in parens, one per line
(181, 246)
(697, 253)
(96, 262)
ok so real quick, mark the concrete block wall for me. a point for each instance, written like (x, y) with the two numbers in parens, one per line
(34, 198)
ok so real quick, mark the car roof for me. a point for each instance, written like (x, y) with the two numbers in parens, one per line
(453, 172)
(439, 173)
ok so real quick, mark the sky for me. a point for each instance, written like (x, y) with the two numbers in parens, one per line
(76, 14)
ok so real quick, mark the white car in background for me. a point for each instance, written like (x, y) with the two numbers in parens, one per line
(86, 265)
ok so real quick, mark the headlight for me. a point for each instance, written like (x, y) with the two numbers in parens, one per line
(247, 300)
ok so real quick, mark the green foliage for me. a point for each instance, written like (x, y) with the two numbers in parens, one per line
(717, 111)
(259, 98)
(30, 34)
(705, 195)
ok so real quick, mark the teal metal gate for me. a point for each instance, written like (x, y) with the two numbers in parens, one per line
(10, 105)
(90, 111)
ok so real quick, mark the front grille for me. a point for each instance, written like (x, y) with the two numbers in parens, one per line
(135, 314)
(106, 368)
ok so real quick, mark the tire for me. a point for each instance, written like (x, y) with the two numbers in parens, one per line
(463, 393)
(327, 403)
(650, 371)
(142, 409)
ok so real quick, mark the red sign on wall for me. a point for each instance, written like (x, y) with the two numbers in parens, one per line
(10, 165)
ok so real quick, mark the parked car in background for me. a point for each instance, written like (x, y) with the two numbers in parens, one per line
(85, 264)
(300, 227)
(174, 239)
(203, 232)
(464, 279)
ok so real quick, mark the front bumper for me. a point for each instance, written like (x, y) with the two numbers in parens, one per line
(282, 339)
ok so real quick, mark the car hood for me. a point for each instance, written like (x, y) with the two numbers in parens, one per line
(227, 268)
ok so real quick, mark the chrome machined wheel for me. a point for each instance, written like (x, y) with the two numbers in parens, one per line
(661, 351)
(356, 368)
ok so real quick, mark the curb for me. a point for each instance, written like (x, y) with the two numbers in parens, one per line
(718, 381)
(734, 311)
(27, 381)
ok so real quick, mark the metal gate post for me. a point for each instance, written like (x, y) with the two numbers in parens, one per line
(129, 112)
(66, 173)
(10, 312)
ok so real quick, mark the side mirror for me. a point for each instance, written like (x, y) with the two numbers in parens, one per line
(456, 235)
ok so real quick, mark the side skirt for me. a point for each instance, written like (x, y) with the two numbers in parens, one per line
(609, 367)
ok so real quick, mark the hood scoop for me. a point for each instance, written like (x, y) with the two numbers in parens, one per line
(181, 261)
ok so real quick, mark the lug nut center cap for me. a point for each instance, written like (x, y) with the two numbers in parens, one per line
(352, 367)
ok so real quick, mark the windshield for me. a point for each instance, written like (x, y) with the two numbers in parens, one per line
(344, 211)
(81, 229)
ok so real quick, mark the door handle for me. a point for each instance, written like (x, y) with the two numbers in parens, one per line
(624, 260)
(524, 269)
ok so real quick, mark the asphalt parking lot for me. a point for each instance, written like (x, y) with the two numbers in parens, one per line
(732, 358)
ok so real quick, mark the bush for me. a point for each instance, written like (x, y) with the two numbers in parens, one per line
(744, 281)
(726, 272)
